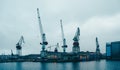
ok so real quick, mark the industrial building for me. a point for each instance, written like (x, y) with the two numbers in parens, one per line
(113, 50)
(108, 50)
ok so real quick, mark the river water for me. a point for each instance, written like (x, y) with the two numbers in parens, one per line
(89, 65)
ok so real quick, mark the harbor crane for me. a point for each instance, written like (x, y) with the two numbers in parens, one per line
(63, 38)
(97, 49)
(56, 47)
(12, 53)
(43, 37)
(76, 47)
(19, 46)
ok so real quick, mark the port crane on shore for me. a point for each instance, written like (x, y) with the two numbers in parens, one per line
(12, 53)
(56, 47)
(43, 37)
(63, 38)
(97, 49)
(19, 46)
(76, 39)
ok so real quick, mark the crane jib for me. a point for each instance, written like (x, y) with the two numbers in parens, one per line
(44, 42)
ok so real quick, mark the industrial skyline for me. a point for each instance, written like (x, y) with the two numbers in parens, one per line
(94, 18)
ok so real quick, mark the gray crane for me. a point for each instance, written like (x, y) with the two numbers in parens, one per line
(43, 37)
(63, 38)
(76, 47)
(97, 49)
(19, 46)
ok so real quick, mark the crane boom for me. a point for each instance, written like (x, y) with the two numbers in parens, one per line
(77, 34)
(40, 25)
(97, 44)
(62, 29)
(43, 37)
(21, 41)
(63, 38)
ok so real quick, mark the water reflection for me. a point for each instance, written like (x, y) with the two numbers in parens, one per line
(90, 65)
(43, 66)
(112, 65)
(64, 66)
(97, 65)
(18, 66)
(75, 66)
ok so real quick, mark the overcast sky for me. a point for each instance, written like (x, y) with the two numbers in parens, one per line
(96, 18)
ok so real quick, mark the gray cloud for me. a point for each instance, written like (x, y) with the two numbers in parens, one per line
(94, 17)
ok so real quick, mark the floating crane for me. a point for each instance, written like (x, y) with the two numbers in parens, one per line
(76, 47)
(19, 46)
(97, 49)
(44, 42)
(63, 38)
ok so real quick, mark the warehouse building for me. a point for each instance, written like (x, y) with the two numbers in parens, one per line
(113, 50)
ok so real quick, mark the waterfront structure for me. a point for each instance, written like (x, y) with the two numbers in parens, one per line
(108, 50)
(50, 57)
(61, 56)
(113, 50)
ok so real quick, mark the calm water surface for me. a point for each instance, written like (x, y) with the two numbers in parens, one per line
(90, 65)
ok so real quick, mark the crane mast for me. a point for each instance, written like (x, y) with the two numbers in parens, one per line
(63, 38)
(44, 42)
